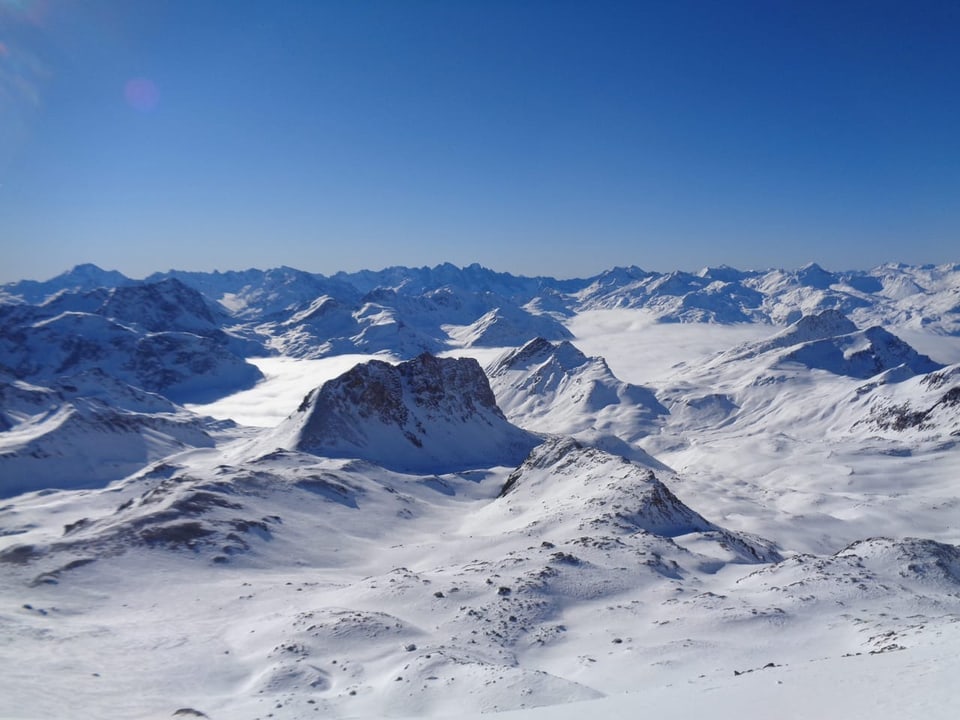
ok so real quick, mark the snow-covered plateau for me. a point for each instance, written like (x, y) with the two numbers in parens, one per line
(444, 492)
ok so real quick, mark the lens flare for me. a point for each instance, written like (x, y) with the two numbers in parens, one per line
(29, 11)
(141, 94)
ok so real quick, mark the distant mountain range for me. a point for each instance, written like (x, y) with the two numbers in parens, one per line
(417, 304)
(423, 531)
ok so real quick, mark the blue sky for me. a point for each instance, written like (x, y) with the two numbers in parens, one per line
(557, 138)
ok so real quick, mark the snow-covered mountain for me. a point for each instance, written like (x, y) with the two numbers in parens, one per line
(412, 310)
(429, 536)
(555, 388)
(260, 295)
(926, 406)
(161, 337)
(504, 327)
(576, 490)
(183, 366)
(426, 415)
(829, 341)
(79, 279)
(87, 430)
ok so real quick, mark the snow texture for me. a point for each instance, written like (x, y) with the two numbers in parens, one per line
(727, 493)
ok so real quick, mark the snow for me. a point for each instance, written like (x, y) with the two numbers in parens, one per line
(286, 382)
(735, 531)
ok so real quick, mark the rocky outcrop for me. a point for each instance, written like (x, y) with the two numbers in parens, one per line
(428, 414)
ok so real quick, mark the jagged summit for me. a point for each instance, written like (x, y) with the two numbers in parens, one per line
(556, 388)
(428, 414)
(538, 350)
(506, 326)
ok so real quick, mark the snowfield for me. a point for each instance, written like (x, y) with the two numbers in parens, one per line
(459, 492)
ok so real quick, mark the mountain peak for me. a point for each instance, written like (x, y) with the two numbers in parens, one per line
(85, 269)
(556, 388)
(83, 275)
(830, 341)
(427, 414)
(812, 275)
(828, 323)
(509, 325)
(537, 350)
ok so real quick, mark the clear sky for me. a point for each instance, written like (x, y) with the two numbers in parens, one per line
(553, 137)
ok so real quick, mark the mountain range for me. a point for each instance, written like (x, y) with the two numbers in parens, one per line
(423, 309)
(479, 515)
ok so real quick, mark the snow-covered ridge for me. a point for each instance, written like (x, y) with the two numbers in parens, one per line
(830, 341)
(87, 431)
(161, 337)
(433, 537)
(424, 309)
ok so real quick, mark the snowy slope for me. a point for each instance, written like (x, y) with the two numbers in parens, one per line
(773, 523)
(87, 430)
(829, 341)
(85, 443)
(435, 580)
(507, 326)
(338, 586)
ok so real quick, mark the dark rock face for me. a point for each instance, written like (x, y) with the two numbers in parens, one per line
(428, 414)
(943, 414)
(165, 305)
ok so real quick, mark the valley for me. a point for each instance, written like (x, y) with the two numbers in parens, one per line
(445, 492)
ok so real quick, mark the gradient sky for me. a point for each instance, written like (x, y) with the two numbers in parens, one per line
(554, 137)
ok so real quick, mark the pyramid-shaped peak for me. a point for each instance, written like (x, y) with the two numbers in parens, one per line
(538, 348)
(89, 275)
(812, 275)
(538, 351)
(87, 269)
